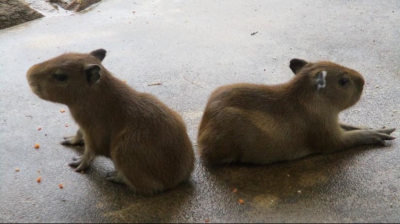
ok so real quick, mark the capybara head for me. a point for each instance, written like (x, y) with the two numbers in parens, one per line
(66, 78)
(340, 86)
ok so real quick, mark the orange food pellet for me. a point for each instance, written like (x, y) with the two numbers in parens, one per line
(241, 201)
(62, 110)
(37, 146)
(234, 190)
(39, 128)
(60, 186)
(16, 169)
(39, 179)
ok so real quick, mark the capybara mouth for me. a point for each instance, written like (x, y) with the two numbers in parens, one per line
(35, 88)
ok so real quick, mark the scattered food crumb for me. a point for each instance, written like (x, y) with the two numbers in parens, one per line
(274, 58)
(234, 190)
(66, 125)
(154, 84)
(39, 128)
(60, 186)
(16, 169)
(37, 146)
(377, 86)
(254, 33)
(38, 171)
(241, 201)
(299, 191)
(62, 111)
(133, 11)
(207, 220)
(288, 175)
(39, 179)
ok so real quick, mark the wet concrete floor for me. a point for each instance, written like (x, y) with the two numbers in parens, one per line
(192, 47)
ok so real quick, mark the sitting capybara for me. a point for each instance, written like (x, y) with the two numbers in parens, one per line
(146, 140)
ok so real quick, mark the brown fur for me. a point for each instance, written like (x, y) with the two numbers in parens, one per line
(146, 140)
(261, 124)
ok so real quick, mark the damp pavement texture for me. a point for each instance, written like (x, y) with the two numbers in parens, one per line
(192, 47)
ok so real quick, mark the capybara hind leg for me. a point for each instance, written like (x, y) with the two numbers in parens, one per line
(116, 177)
(216, 156)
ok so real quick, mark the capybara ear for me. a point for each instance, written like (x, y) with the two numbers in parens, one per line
(321, 80)
(92, 72)
(99, 53)
(297, 64)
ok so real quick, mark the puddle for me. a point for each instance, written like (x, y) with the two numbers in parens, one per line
(52, 8)
(48, 9)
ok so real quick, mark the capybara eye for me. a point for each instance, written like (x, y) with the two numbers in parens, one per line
(343, 81)
(60, 77)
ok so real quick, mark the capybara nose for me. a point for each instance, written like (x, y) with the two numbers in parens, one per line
(360, 83)
(30, 74)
